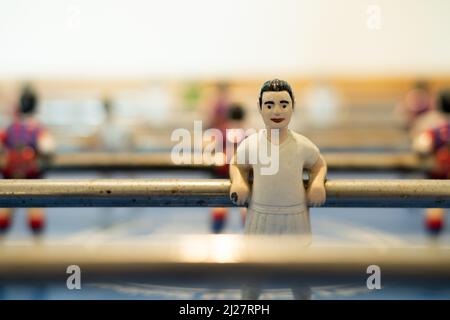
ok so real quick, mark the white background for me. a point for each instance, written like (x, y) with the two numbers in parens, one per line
(239, 38)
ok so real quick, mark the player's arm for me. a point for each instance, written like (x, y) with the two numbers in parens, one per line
(423, 144)
(429, 141)
(45, 149)
(45, 143)
(240, 189)
(316, 193)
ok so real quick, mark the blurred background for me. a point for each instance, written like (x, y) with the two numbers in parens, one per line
(350, 64)
(120, 76)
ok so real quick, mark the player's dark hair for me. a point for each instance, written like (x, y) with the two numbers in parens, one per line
(28, 101)
(107, 106)
(275, 85)
(444, 101)
(236, 112)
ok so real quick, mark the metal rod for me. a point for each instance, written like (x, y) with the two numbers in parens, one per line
(226, 259)
(121, 161)
(350, 161)
(210, 193)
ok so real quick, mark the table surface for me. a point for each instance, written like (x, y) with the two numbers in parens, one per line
(376, 227)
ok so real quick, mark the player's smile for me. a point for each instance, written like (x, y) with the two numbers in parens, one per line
(277, 120)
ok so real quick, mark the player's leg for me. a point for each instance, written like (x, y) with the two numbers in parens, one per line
(250, 291)
(36, 219)
(5, 218)
(218, 219)
(301, 293)
(434, 220)
(243, 215)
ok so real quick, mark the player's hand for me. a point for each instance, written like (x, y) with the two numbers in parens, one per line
(423, 144)
(239, 193)
(316, 194)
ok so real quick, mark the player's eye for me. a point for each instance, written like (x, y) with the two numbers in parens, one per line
(284, 106)
(269, 107)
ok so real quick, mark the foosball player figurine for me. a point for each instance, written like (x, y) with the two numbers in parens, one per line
(27, 148)
(278, 201)
(436, 142)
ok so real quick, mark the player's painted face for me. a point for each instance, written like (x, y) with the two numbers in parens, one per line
(276, 109)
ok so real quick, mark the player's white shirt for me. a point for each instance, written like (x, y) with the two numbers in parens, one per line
(282, 192)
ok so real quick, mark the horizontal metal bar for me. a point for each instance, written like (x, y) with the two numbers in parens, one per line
(121, 161)
(355, 161)
(210, 193)
(226, 259)
(352, 161)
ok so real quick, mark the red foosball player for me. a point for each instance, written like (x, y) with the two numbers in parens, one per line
(27, 145)
(436, 141)
(232, 134)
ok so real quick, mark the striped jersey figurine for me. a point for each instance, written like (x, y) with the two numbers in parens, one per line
(232, 135)
(27, 146)
(277, 200)
(436, 142)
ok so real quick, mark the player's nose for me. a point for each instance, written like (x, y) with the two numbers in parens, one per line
(277, 110)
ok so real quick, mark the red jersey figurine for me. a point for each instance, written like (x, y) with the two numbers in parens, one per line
(436, 141)
(26, 146)
(232, 134)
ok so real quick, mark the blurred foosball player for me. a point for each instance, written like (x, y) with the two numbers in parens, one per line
(27, 148)
(233, 134)
(417, 101)
(419, 110)
(220, 106)
(111, 137)
(436, 141)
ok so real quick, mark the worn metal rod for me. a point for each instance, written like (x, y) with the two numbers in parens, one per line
(354, 161)
(210, 193)
(224, 259)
